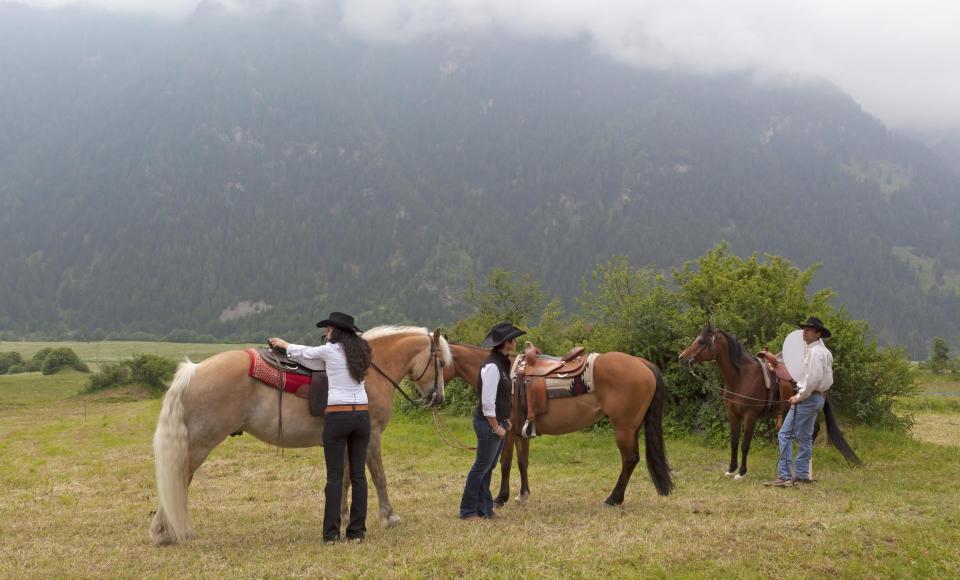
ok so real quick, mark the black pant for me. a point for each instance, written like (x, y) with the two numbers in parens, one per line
(350, 430)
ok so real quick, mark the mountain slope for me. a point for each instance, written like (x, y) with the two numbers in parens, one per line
(154, 175)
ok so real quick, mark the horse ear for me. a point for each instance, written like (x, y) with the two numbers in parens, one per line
(436, 334)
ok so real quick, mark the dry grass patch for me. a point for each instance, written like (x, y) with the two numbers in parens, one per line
(942, 429)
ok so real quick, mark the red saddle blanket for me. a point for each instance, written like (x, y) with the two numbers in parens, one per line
(272, 377)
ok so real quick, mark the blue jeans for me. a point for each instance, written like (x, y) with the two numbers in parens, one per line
(477, 500)
(799, 422)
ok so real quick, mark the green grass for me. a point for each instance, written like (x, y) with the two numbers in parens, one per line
(78, 491)
(938, 384)
(95, 353)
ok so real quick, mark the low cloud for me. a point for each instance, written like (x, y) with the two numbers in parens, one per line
(898, 59)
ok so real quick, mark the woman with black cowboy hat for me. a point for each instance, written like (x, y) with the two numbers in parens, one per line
(346, 357)
(490, 420)
(816, 378)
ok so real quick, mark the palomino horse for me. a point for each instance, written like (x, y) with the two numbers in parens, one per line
(746, 397)
(627, 389)
(208, 401)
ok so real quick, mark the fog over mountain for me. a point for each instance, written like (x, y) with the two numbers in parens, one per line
(227, 173)
(898, 59)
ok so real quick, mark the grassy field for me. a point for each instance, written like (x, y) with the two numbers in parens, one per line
(95, 353)
(78, 492)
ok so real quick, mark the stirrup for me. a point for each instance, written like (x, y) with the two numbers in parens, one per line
(529, 430)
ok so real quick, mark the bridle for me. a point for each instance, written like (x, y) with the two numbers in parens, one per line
(438, 364)
(443, 431)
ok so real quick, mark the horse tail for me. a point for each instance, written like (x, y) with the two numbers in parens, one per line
(170, 446)
(653, 434)
(836, 436)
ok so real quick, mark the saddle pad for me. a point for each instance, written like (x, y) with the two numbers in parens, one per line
(562, 388)
(272, 377)
(764, 371)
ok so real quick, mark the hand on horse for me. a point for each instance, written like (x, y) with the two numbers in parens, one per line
(278, 343)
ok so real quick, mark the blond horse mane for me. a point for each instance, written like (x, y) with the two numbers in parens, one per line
(392, 330)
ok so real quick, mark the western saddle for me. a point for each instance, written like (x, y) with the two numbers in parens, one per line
(775, 372)
(533, 370)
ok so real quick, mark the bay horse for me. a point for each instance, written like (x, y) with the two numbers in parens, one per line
(745, 395)
(208, 401)
(627, 389)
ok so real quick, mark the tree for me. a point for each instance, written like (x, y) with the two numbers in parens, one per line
(500, 298)
(940, 359)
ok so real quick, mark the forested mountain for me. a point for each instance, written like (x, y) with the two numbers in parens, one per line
(160, 176)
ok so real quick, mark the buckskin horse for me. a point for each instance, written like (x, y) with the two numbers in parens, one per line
(208, 401)
(745, 395)
(627, 389)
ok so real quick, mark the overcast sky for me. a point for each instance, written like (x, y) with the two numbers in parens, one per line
(899, 59)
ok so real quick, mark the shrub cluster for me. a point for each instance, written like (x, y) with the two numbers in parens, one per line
(46, 360)
(640, 311)
(149, 370)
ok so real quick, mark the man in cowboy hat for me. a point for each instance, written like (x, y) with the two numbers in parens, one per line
(491, 420)
(814, 381)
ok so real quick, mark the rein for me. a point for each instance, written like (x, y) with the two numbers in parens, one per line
(444, 432)
(446, 435)
(722, 389)
(437, 365)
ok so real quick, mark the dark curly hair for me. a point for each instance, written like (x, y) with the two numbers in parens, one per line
(357, 351)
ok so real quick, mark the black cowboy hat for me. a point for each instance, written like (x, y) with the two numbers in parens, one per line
(814, 322)
(500, 334)
(341, 321)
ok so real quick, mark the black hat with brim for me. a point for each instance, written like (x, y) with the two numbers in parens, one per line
(814, 322)
(500, 334)
(341, 321)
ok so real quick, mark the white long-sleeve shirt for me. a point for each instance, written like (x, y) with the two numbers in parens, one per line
(817, 372)
(490, 380)
(344, 390)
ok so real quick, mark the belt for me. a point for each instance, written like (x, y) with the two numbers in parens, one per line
(343, 408)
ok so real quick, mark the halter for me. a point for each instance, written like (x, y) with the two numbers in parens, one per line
(438, 364)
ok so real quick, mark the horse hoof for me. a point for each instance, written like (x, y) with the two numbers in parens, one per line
(523, 497)
(499, 502)
(729, 473)
(613, 502)
(390, 522)
(739, 476)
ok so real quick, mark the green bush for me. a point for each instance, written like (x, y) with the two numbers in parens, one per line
(759, 299)
(151, 370)
(459, 397)
(110, 375)
(8, 360)
(62, 358)
(35, 364)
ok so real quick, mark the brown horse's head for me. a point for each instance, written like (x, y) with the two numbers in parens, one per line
(702, 349)
(713, 344)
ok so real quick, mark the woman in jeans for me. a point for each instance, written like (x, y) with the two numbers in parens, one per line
(346, 357)
(490, 420)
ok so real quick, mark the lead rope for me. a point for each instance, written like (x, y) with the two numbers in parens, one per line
(446, 435)
(763, 402)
